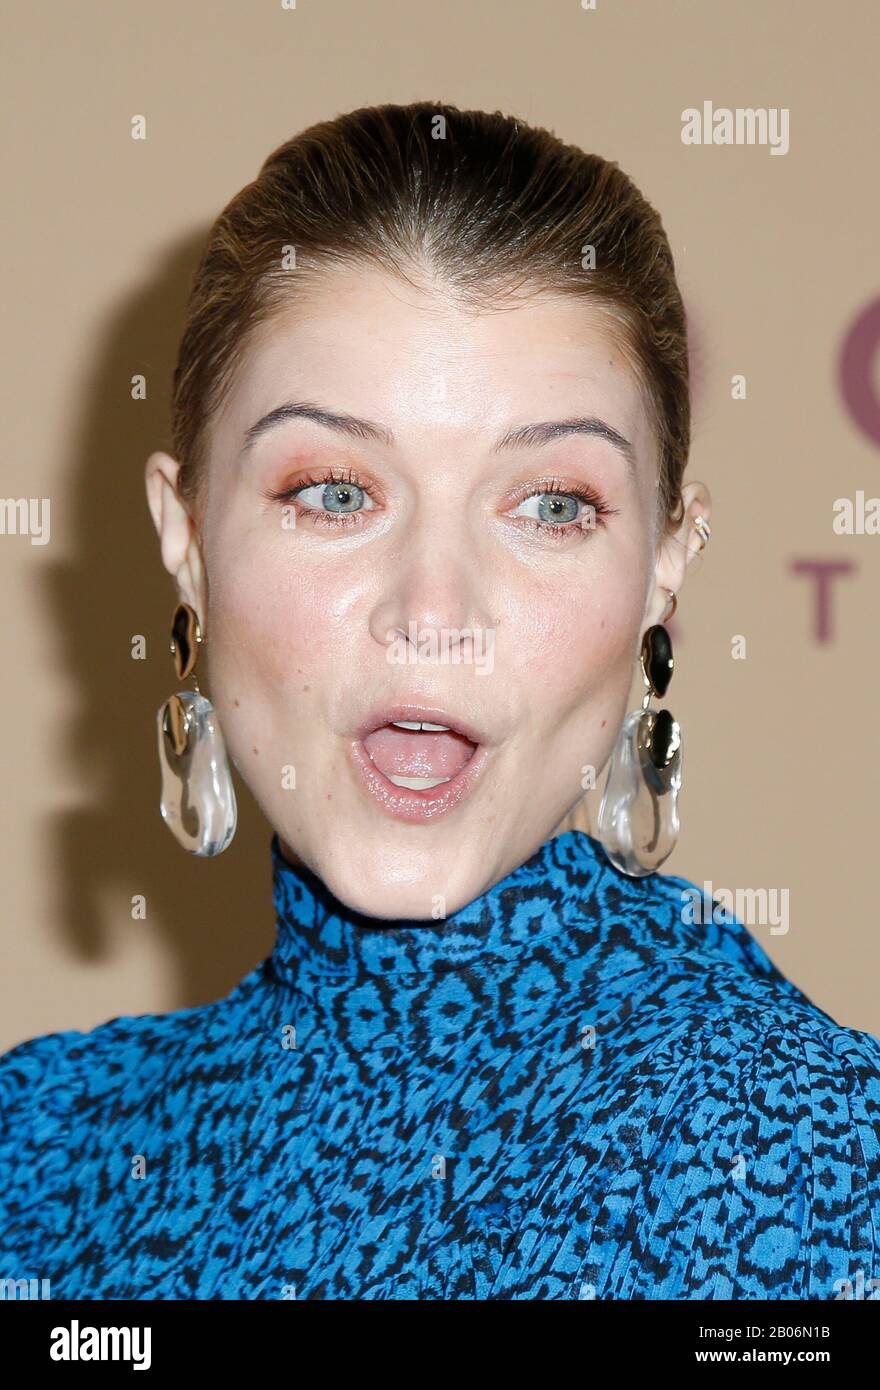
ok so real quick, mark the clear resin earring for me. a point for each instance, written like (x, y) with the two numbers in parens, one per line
(198, 798)
(638, 822)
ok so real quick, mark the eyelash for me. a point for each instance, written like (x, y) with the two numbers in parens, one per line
(319, 517)
(347, 519)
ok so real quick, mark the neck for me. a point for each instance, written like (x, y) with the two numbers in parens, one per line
(319, 938)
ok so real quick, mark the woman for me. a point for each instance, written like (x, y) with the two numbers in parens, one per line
(426, 520)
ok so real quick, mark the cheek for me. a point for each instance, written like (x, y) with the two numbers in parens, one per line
(576, 645)
(272, 632)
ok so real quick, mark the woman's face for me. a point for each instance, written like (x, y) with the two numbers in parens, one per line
(434, 563)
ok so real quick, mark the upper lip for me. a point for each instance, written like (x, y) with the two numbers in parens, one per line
(429, 714)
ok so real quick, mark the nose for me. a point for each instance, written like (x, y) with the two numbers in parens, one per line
(436, 592)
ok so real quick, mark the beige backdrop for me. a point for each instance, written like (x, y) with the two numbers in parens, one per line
(778, 261)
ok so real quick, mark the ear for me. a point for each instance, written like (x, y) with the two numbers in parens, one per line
(177, 531)
(676, 550)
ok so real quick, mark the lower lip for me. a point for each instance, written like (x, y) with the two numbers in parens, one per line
(417, 807)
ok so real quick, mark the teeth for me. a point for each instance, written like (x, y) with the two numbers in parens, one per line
(418, 784)
(415, 724)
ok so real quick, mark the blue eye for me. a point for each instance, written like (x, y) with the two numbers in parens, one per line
(555, 506)
(338, 500)
(334, 497)
(556, 513)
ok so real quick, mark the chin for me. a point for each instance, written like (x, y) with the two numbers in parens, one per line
(393, 882)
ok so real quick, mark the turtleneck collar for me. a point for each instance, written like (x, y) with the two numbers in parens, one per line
(318, 938)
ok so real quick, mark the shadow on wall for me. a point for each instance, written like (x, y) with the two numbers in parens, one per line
(214, 917)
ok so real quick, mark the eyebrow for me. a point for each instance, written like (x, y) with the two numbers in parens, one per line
(523, 437)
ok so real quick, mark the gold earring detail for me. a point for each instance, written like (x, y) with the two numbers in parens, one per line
(197, 801)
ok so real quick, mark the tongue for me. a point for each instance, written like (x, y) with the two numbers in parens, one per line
(408, 753)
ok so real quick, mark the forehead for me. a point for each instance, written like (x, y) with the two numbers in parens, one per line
(414, 358)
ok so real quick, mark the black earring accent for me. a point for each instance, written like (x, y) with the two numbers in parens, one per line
(656, 658)
(185, 637)
(663, 740)
(638, 816)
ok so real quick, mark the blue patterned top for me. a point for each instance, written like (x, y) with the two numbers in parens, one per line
(567, 1089)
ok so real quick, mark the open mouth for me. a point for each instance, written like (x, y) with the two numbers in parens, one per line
(418, 755)
(418, 768)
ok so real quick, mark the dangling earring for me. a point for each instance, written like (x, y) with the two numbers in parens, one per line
(198, 798)
(638, 818)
